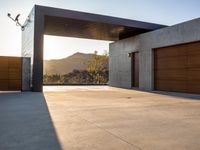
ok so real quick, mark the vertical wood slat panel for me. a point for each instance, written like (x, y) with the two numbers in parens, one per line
(10, 73)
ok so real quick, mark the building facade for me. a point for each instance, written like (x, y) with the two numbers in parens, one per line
(169, 59)
(143, 55)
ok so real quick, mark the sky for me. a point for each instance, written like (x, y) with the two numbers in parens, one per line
(65, 46)
(167, 12)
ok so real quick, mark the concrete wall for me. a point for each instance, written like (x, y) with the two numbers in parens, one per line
(37, 79)
(32, 46)
(120, 63)
(28, 40)
(26, 70)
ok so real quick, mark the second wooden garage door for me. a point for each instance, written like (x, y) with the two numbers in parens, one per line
(177, 68)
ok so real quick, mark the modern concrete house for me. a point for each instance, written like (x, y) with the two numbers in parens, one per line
(166, 59)
(143, 55)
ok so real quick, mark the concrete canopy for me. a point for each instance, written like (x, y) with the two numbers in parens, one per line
(69, 23)
(60, 22)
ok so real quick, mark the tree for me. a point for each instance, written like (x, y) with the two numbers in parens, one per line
(98, 67)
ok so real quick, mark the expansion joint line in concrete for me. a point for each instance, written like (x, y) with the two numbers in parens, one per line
(118, 137)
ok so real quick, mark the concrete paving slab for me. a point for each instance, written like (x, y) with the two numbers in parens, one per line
(25, 123)
(99, 119)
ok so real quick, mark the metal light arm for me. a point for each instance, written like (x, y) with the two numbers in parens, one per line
(16, 20)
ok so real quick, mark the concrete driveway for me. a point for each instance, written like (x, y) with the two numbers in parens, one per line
(99, 119)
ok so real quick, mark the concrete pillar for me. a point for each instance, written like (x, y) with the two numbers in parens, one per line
(26, 73)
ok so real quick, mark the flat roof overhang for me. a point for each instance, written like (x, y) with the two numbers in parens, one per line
(61, 22)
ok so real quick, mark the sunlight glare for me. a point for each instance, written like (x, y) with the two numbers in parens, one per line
(56, 47)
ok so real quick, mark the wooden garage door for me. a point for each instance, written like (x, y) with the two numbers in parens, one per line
(10, 73)
(177, 68)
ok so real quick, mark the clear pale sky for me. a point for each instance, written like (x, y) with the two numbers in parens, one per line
(167, 12)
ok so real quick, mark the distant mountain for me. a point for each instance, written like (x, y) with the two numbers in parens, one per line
(63, 66)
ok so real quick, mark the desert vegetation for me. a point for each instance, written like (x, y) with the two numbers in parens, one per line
(95, 72)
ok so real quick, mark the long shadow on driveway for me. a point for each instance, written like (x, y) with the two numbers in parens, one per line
(25, 123)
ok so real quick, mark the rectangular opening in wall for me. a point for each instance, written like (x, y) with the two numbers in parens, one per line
(75, 61)
(135, 69)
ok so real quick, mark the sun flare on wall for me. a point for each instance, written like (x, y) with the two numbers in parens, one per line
(56, 47)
